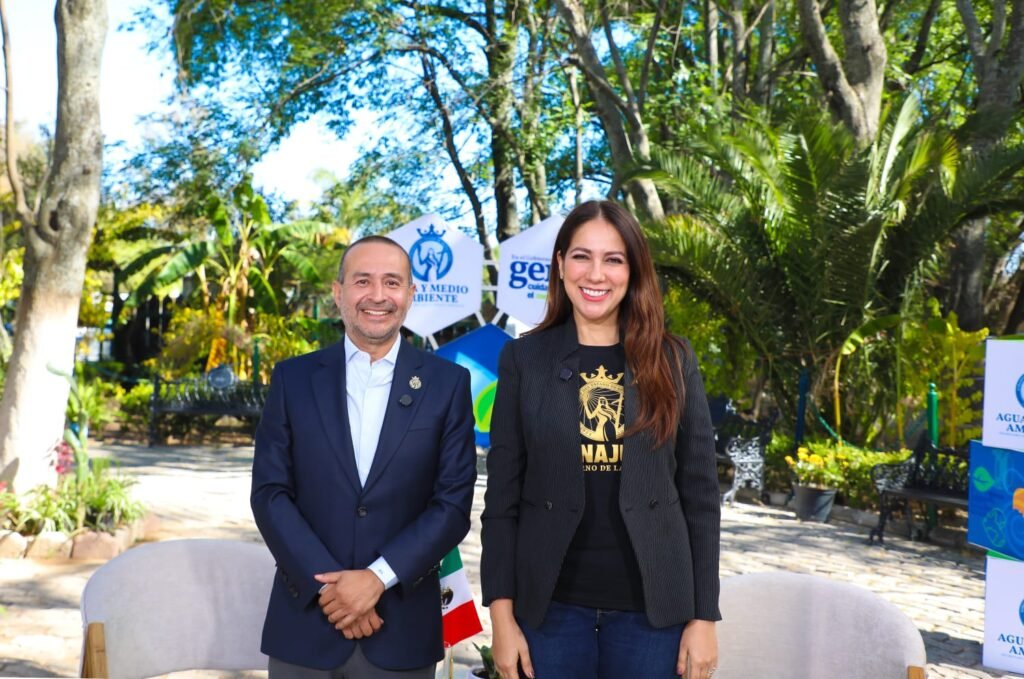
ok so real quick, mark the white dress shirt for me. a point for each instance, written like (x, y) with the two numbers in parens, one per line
(367, 386)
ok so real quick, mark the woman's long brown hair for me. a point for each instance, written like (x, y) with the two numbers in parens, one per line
(641, 318)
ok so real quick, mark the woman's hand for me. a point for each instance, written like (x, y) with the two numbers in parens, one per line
(698, 650)
(508, 645)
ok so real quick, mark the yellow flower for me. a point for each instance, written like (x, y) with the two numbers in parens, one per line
(816, 460)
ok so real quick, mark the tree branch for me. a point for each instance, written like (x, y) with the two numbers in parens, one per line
(620, 67)
(430, 83)
(974, 36)
(10, 143)
(601, 83)
(450, 13)
(995, 40)
(913, 63)
(645, 70)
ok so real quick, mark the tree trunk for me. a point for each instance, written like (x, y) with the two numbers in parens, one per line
(853, 84)
(577, 105)
(967, 289)
(711, 40)
(531, 153)
(32, 409)
(739, 51)
(500, 57)
(998, 61)
(620, 118)
(762, 90)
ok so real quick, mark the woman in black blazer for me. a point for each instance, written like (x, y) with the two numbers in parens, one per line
(601, 519)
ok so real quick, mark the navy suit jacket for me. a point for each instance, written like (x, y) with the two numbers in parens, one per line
(316, 517)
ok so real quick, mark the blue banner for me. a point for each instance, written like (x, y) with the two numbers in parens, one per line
(478, 352)
(995, 506)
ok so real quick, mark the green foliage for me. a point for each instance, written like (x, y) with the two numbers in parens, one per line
(776, 469)
(727, 362)
(937, 350)
(91, 310)
(133, 414)
(102, 502)
(12, 274)
(243, 264)
(828, 464)
(89, 402)
(818, 468)
(282, 338)
(799, 240)
(487, 658)
(188, 340)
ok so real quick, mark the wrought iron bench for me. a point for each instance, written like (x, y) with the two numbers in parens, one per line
(930, 476)
(741, 443)
(218, 392)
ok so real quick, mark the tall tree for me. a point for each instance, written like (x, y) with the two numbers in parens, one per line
(57, 238)
(620, 114)
(853, 83)
(997, 64)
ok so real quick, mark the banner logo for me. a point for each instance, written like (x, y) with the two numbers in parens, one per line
(431, 256)
(1020, 391)
(1021, 611)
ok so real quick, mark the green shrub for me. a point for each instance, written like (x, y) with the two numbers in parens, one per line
(133, 415)
(854, 469)
(776, 471)
(100, 501)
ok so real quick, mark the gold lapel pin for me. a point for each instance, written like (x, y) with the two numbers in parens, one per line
(415, 382)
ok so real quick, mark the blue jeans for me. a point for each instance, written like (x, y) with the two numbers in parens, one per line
(576, 642)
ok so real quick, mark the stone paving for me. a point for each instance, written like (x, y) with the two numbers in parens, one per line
(202, 492)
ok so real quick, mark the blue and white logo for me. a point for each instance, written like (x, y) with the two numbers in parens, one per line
(1021, 612)
(1020, 391)
(431, 256)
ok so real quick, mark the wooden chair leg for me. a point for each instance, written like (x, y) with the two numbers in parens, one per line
(95, 662)
(915, 672)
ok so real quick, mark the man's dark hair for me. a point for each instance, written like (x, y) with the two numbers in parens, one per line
(372, 239)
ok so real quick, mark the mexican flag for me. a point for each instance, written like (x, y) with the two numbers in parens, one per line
(458, 611)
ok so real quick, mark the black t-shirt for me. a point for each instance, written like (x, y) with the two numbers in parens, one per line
(600, 569)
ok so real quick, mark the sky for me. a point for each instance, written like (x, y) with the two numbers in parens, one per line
(136, 83)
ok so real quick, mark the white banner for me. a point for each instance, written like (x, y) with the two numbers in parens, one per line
(1003, 422)
(447, 268)
(525, 269)
(1004, 615)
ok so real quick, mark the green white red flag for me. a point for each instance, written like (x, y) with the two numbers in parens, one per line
(459, 617)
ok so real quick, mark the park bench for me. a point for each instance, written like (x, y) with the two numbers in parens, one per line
(218, 392)
(741, 444)
(930, 476)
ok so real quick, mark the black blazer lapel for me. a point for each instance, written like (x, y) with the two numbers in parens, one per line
(560, 409)
(397, 416)
(332, 402)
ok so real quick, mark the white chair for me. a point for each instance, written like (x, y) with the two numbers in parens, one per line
(787, 625)
(177, 605)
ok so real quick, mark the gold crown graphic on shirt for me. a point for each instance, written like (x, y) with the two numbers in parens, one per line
(601, 378)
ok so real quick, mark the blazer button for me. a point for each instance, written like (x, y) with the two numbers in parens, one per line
(294, 592)
(362, 512)
(548, 505)
(653, 503)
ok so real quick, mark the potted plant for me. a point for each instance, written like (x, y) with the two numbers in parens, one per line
(818, 472)
(487, 671)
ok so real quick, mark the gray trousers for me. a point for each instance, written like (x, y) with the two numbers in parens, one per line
(356, 667)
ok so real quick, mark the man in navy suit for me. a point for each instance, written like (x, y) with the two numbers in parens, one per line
(362, 481)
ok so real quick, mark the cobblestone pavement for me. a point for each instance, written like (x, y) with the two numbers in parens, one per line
(202, 492)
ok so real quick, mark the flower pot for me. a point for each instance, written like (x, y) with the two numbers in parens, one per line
(778, 498)
(813, 504)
